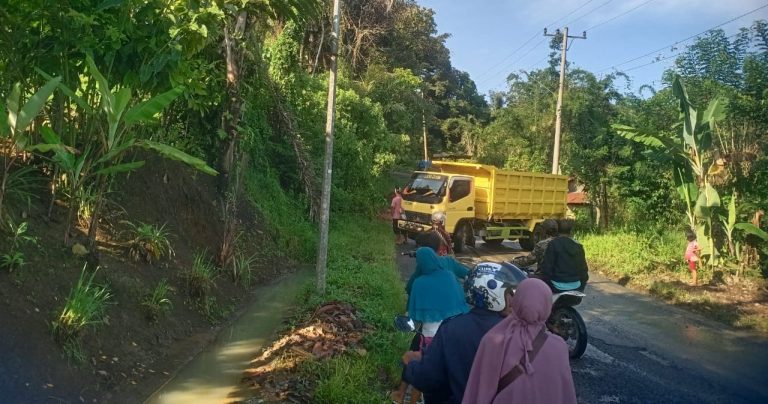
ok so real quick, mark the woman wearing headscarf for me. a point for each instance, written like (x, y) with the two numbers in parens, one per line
(435, 294)
(518, 361)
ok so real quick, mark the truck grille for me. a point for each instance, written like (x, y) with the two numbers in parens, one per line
(418, 217)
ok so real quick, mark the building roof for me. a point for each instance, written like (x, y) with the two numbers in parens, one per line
(577, 198)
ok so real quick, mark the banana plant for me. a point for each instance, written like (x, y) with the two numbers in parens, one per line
(14, 121)
(690, 155)
(729, 224)
(103, 157)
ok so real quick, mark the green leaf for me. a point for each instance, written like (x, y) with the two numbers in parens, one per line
(120, 168)
(634, 134)
(116, 150)
(46, 147)
(176, 154)
(145, 111)
(107, 99)
(715, 111)
(708, 199)
(49, 135)
(750, 228)
(13, 107)
(35, 103)
(68, 92)
(732, 212)
(4, 130)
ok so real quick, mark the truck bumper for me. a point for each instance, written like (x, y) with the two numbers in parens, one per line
(413, 227)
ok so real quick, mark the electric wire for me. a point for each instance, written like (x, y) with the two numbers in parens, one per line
(670, 56)
(588, 13)
(618, 16)
(684, 40)
(479, 76)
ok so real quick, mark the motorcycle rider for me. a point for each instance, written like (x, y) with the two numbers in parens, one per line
(564, 266)
(442, 370)
(550, 228)
(438, 227)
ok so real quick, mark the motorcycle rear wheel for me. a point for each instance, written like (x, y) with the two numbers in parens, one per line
(568, 324)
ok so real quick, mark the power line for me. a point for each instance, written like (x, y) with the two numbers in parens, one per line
(588, 12)
(569, 14)
(684, 40)
(516, 60)
(618, 16)
(670, 56)
(536, 34)
(508, 56)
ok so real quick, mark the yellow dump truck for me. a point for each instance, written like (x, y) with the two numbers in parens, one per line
(482, 200)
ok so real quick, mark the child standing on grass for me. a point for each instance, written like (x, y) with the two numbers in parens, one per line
(692, 255)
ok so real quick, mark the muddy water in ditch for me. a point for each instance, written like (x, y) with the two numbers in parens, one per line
(213, 375)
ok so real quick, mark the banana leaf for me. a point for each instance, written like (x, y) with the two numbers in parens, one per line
(35, 103)
(121, 168)
(146, 110)
(750, 228)
(176, 154)
(708, 199)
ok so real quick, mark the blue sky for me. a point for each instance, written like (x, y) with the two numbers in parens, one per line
(491, 38)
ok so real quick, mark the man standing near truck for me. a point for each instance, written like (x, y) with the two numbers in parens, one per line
(396, 207)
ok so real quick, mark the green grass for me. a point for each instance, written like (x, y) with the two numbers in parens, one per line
(636, 256)
(157, 303)
(653, 262)
(284, 215)
(361, 271)
(200, 277)
(86, 306)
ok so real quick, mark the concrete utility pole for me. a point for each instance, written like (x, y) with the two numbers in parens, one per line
(424, 128)
(330, 121)
(556, 152)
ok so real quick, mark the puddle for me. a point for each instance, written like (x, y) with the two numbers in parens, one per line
(214, 374)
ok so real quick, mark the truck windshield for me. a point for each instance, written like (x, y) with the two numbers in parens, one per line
(425, 187)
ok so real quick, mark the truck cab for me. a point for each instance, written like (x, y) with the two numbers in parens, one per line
(429, 192)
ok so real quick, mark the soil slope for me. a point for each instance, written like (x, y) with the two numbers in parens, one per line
(126, 359)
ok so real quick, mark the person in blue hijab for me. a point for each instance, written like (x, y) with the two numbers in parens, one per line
(435, 293)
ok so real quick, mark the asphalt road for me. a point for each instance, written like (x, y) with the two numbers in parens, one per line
(642, 350)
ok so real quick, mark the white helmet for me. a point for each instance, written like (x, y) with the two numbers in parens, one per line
(487, 283)
(438, 217)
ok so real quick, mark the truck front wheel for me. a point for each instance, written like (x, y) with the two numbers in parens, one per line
(530, 241)
(461, 237)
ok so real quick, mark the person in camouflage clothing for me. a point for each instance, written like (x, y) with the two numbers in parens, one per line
(550, 229)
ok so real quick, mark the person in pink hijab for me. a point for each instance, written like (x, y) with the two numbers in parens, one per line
(540, 377)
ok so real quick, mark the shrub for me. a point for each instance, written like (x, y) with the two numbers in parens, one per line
(156, 304)
(148, 242)
(241, 268)
(200, 277)
(14, 258)
(86, 306)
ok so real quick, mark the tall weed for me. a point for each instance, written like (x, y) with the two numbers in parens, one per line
(157, 303)
(86, 306)
(200, 276)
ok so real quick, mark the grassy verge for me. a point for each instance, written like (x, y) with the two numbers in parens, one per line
(361, 271)
(653, 262)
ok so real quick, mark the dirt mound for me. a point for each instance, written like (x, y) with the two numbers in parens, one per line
(127, 358)
(334, 328)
